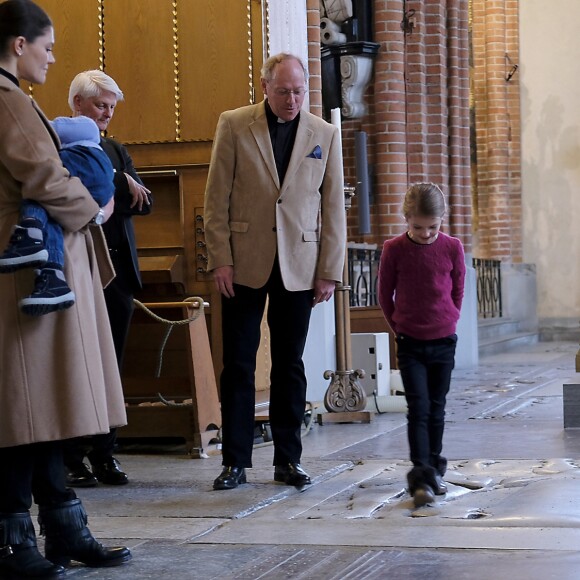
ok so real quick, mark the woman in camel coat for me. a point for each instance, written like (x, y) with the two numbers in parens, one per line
(59, 376)
(58, 372)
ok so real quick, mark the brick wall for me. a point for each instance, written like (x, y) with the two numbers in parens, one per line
(498, 227)
(315, 82)
(418, 121)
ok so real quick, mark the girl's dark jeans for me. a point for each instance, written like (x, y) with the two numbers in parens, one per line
(425, 367)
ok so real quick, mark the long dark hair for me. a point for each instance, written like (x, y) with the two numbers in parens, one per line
(21, 18)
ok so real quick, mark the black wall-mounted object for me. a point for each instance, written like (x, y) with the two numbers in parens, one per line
(362, 182)
(360, 26)
(330, 70)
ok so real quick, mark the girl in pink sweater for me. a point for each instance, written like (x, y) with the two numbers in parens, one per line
(421, 279)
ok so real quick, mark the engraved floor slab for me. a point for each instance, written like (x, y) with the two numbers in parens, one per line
(507, 505)
(512, 511)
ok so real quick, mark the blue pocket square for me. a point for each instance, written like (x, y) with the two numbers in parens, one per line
(316, 153)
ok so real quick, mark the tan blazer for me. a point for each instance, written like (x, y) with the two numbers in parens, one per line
(249, 215)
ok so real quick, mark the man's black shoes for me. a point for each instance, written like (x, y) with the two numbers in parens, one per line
(109, 471)
(230, 478)
(291, 474)
(79, 475)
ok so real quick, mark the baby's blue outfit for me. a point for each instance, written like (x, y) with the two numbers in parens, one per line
(82, 155)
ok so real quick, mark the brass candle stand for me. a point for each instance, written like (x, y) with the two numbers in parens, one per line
(345, 398)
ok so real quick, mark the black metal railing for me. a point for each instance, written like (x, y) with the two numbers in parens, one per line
(488, 273)
(363, 267)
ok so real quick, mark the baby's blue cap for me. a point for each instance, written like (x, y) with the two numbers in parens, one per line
(71, 130)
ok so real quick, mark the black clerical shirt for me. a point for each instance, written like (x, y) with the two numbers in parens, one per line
(282, 135)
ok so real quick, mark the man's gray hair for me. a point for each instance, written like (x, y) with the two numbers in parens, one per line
(91, 83)
(267, 71)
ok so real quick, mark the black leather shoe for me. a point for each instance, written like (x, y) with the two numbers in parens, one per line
(230, 478)
(109, 471)
(80, 476)
(291, 474)
(440, 487)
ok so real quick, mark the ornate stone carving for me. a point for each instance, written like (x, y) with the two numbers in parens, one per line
(347, 69)
(356, 72)
(345, 393)
(337, 10)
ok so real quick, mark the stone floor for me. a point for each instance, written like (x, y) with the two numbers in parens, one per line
(512, 511)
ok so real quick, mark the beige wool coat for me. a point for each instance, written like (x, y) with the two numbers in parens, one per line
(58, 372)
(249, 215)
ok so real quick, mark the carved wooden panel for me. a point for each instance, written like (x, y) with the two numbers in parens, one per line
(76, 26)
(138, 41)
(177, 215)
(215, 63)
(180, 63)
(167, 240)
(163, 228)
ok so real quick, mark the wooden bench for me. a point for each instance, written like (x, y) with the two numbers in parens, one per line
(182, 373)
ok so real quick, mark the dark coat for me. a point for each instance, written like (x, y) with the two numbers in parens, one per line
(119, 229)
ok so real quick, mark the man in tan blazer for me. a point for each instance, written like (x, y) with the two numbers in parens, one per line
(275, 228)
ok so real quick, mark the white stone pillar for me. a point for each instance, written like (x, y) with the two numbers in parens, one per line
(320, 351)
(467, 353)
(287, 26)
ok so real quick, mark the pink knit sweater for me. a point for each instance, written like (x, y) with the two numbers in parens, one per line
(421, 286)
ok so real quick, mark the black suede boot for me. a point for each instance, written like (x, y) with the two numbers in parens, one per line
(440, 465)
(68, 538)
(19, 556)
(422, 484)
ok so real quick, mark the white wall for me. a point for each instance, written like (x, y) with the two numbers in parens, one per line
(288, 33)
(287, 24)
(550, 98)
(320, 350)
(467, 352)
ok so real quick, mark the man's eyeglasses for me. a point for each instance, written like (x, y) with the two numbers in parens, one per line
(287, 92)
